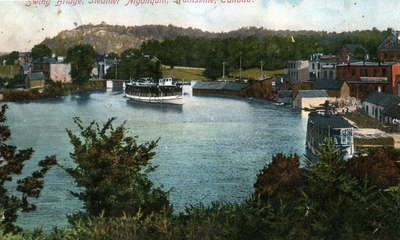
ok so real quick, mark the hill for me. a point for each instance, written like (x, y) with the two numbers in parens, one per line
(116, 38)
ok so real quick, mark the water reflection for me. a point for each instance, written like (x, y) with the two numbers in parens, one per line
(162, 107)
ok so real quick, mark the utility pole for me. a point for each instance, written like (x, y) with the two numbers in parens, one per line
(262, 72)
(240, 67)
(116, 68)
(223, 70)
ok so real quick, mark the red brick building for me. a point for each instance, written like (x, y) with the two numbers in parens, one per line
(364, 78)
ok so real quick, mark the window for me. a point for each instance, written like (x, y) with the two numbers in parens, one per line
(353, 72)
(383, 72)
(374, 73)
(313, 66)
(319, 66)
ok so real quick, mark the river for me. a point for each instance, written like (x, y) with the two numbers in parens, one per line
(211, 148)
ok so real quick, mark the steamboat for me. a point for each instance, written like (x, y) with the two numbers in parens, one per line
(163, 90)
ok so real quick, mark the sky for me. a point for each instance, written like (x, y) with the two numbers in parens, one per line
(24, 23)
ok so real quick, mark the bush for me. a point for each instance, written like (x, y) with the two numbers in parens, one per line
(112, 168)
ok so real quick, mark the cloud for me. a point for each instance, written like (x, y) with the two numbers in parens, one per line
(22, 26)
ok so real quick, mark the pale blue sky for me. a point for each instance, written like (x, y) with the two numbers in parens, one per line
(21, 27)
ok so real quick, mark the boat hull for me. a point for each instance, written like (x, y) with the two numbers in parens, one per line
(164, 99)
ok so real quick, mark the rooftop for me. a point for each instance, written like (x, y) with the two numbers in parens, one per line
(312, 93)
(368, 64)
(328, 84)
(35, 76)
(391, 42)
(383, 99)
(220, 85)
(393, 111)
(329, 121)
(47, 60)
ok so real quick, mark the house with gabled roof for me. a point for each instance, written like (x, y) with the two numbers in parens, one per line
(389, 49)
(310, 98)
(34, 80)
(378, 104)
(335, 88)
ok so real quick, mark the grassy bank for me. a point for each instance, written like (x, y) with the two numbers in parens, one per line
(184, 73)
(255, 73)
(53, 90)
(364, 121)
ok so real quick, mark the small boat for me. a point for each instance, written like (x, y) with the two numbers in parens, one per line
(163, 90)
(279, 103)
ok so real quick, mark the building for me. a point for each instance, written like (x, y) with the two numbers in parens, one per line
(261, 89)
(321, 127)
(280, 82)
(25, 58)
(34, 80)
(220, 87)
(26, 68)
(285, 96)
(318, 63)
(256, 89)
(389, 49)
(365, 78)
(103, 66)
(310, 98)
(334, 88)
(54, 69)
(378, 103)
(328, 72)
(350, 53)
(392, 115)
(298, 71)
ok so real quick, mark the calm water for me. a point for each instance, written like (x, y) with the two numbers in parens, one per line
(211, 148)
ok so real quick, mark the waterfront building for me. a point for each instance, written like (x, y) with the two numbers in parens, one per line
(54, 69)
(34, 80)
(285, 96)
(298, 71)
(365, 78)
(381, 106)
(322, 66)
(310, 98)
(350, 52)
(324, 126)
(334, 88)
(220, 87)
(389, 49)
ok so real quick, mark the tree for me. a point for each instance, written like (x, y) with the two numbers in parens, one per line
(12, 162)
(281, 178)
(133, 64)
(82, 58)
(113, 170)
(9, 59)
(40, 51)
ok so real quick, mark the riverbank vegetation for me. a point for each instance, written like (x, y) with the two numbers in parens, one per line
(272, 51)
(326, 199)
(52, 90)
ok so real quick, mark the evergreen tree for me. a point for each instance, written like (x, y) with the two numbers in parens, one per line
(113, 169)
(12, 162)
